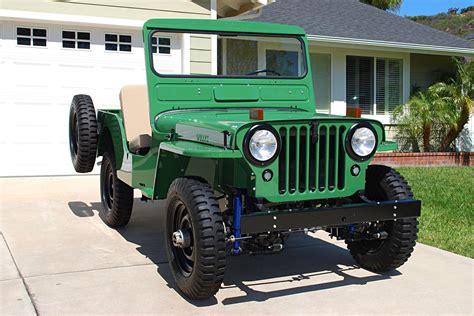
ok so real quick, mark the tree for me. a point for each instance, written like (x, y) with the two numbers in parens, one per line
(420, 118)
(467, 9)
(384, 4)
(433, 119)
(458, 94)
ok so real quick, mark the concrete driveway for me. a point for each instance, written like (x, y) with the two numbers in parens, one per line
(57, 257)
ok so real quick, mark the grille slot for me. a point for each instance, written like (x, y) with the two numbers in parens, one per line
(312, 158)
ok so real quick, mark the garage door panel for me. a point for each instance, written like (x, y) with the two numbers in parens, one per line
(30, 65)
(39, 84)
(36, 159)
(31, 134)
(5, 123)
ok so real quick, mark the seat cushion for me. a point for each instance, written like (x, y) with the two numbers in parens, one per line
(140, 144)
(135, 112)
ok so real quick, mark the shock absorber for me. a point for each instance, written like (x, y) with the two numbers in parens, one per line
(236, 224)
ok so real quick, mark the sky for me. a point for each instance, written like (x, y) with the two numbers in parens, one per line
(431, 7)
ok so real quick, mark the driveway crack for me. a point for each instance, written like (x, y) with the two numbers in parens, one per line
(28, 291)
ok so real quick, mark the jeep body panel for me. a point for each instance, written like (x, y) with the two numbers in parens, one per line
(199, 124)
(197, 149)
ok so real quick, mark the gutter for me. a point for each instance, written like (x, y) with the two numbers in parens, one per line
(255, 14)
(344, 41)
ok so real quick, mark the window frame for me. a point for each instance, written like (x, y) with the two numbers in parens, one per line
(370, 90)
(118, 43)
(386, 107)
(158, 45)
(299, 38)
(76, 40)
(31, 36)
(374, 106)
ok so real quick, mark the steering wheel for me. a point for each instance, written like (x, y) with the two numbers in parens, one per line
(263, 70)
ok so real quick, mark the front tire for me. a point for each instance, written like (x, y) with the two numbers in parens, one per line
(116, 196)
(385, 184)
(198, 265)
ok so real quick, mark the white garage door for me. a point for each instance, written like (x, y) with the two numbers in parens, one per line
(42, 66)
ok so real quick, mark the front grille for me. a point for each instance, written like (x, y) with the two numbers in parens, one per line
(312, 158)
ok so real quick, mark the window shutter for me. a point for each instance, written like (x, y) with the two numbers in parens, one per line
(389, 86)
(360, 83)
(381, 86)
(395, 87)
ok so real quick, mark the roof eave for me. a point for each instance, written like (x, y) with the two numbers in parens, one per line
(385, 45)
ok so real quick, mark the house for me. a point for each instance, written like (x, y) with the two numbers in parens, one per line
(364, 56)
(51, 50)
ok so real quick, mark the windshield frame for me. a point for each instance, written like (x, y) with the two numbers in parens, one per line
(160, 30)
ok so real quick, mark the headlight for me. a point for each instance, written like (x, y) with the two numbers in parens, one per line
(362, 141)
(261, 144)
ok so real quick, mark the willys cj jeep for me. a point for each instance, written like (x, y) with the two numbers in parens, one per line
(232, 141)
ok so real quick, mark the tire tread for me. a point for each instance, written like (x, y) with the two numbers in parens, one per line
(385, 183)
(209, 268)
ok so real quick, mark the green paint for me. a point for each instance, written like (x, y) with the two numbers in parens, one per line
(190, 116)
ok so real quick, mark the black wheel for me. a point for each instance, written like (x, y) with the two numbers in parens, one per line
(82, 133)
(194, 236)
(116, 196)
(383, 184)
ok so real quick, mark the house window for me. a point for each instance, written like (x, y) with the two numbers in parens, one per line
(389, 85)
(360, 83)
(286, 62)
(374, 84)
(76, 40)
(161, 45)
(26, 36)
(237, 57)
(118, 42)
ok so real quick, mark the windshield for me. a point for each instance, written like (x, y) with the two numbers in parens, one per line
(227, 55)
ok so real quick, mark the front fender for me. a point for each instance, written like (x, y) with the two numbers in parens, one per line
(184, 158)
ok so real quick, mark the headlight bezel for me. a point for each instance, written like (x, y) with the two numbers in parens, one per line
(249, 136)
(349, 136)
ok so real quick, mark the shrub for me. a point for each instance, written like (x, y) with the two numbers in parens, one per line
(434, 118)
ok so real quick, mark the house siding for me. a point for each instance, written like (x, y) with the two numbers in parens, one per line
(134, 10)
(201, 54)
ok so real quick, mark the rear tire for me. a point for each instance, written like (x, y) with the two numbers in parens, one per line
(198, 268)
(384, 184)
(83, 136)
(116, 196)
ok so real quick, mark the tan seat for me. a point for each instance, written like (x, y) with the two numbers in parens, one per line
(136, 117)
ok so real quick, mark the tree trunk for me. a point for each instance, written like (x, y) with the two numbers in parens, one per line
(426, 137)
(455, 131)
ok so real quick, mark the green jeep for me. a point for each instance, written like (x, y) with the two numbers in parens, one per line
(236, 148)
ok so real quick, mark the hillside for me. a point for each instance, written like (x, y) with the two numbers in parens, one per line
(457, 22)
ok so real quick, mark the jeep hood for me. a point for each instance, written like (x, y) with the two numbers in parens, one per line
(209, 125)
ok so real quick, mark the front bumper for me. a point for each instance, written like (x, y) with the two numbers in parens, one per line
(333, 216)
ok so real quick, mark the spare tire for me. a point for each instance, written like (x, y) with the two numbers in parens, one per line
(83, 136)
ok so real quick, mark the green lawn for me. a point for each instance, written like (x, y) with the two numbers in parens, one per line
(447, 195)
